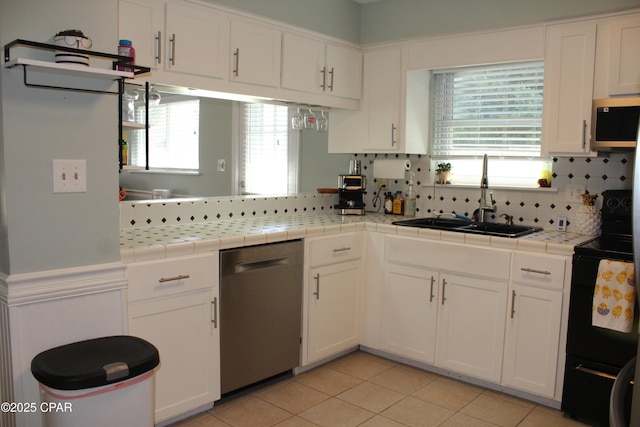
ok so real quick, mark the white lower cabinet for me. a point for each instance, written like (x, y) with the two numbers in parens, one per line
(173, 304)
(409, 312)
(471, 326)
(333, 309)
(332, 295)
(533, 350)
(490, 314)
(532, 340)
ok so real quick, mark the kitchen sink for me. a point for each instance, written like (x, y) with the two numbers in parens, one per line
(463, 226)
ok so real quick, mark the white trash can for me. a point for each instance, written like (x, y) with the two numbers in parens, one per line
(102, 382)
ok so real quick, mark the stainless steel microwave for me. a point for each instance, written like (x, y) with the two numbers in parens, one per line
(614, 123)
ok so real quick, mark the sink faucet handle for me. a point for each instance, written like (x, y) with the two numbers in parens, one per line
(508, 218)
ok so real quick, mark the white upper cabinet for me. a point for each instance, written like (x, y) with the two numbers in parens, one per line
(382, 95)
(624, 60)
(303, 66)
(254, 53)
(315, 66)
(196, 41)
(142, 22)
(344, 71)
(393, 115)
(568, 88)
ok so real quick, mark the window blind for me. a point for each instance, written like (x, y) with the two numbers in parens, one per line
(495, 110)
(268, 159)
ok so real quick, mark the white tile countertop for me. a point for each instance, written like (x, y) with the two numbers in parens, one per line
(144, 243)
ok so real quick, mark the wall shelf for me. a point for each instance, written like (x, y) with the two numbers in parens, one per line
(68, 69)
(117, 61)
(80, 70)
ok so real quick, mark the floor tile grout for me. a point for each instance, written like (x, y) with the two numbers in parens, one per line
(348, 372)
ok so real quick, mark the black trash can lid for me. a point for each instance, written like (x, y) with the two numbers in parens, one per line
(94, 363)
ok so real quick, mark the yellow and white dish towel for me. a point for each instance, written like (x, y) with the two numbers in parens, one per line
(614, 296)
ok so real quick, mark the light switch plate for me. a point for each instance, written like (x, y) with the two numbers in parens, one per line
(69, 176)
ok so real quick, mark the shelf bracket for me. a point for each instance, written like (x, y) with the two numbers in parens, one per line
(73, 89)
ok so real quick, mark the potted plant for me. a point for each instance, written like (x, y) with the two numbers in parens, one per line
(442, 172)
(74, 39)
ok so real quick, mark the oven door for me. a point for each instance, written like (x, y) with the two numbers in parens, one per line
(588, 342)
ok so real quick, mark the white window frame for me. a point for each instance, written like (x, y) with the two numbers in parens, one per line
(292, 161)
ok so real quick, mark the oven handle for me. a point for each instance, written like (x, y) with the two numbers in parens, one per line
(597, 373)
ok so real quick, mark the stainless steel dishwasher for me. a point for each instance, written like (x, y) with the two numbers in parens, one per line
(260, 312)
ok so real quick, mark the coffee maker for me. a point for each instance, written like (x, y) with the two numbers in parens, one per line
(351, 194)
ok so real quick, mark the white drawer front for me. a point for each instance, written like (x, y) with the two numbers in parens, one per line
(165, 277)
(457, 258)
(542, 270)
(335, 248)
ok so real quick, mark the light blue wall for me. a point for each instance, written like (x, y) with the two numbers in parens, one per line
(399, 19)
(41, 230)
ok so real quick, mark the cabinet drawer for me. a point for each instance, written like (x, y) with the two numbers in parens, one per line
(541, 270)
(336, 248)
(166, 277)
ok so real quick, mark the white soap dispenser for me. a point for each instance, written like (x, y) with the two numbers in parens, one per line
(410, 200)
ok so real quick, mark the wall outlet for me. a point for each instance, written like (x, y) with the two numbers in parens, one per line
(69, 176)
(573, 193)
(382, 182)
(561, 223)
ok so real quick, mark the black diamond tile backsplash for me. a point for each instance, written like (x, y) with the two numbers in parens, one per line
(539, 207)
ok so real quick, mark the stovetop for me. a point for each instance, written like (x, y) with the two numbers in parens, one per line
(616, 240)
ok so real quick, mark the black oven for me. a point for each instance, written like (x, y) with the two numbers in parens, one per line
(596, 355)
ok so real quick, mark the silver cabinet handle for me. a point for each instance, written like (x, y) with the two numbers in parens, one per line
(324, 78)
(344, 249)
(513, 303)
(331, 85)
(159, 47)
(584, 134)
(444, 285)
(174, 278)
(393, 134)
(431, 295)
(533, 270)
(317, 292)
(172, 42)
(214, 305)
(236, 61)
(595, 372)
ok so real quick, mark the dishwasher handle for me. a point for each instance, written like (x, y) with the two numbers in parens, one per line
(243, 267)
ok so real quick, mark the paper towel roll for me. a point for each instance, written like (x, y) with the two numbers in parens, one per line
(390, 168)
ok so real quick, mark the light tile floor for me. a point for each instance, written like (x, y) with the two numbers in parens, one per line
(361, 389)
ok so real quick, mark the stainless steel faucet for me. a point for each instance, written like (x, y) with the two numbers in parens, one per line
(486, 196)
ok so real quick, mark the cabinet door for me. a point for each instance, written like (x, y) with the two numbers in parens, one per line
(196, 40)
(303, 66)
(344, 71)
(185, 332)
(333, 307)
(141, 21)
(471, 323)
(532, 340)
(624, 65)
(409, 308)
(568, 87)
(255, 54)
(382, 81)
